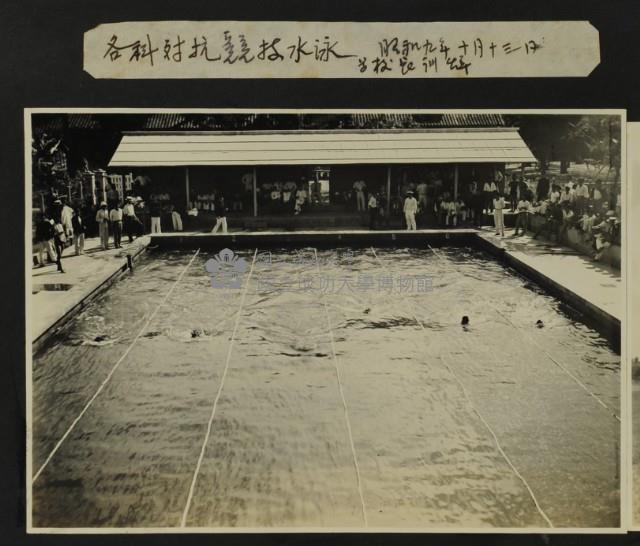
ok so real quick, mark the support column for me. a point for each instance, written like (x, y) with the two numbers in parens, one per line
(186, 186)
(388, 191)
(255, 192)
(455, 182)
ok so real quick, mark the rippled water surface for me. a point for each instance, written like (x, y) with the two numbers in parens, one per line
(345, 395)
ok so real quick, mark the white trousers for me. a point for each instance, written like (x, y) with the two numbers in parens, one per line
(155, 224)
(410, 217)
(360, 200)
(177, 221)
(220, 222)
(498, 219)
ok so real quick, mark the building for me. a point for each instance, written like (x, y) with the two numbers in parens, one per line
(254, 168)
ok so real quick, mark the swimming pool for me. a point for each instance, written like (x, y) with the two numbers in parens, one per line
(333, 388)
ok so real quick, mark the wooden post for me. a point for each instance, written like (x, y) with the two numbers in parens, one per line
(388, 191)
(186, 187)
(455, 182)
(255, 192)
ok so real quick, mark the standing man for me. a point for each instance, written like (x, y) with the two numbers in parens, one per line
(422, 190)
(542, 189)
(129, 218)
(78, 231)
(359, 186)
(102, 219)
(66, 218)
(498, 213)
(522, 220)
(44, 240)
(488, 191)
(582, 196)
(221, 215)
(156, 211)
(115, 216)
(410, 208)
(372, 205)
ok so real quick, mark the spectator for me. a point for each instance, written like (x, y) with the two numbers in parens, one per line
(130, 222)
(115, 217)
(553, 219)
(156, 211)
(44, 240)
(522, 218)
(372, 206)
(582, 195)
(567, 220)
(360, 186)
(410, 208)
(102, 219)
(79, 230)
(498, 213)
(176, 219)
(221, 215)
(554, 195)
(461, 210)
(66, 219)
(514, 188)
(542, 189)
(488, 191)
(597, 195)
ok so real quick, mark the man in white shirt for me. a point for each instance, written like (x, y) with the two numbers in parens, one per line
(359, 186)
(410, 208)
(115, 217)
(582, 195)
(522, 220)
(66, 219)
(488, 190)
(102, 219)
(129, 218)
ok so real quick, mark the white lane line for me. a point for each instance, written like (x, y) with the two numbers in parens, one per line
(344, 404)
(534, 342)
(115, 367)
(192, 488)
(486, 424)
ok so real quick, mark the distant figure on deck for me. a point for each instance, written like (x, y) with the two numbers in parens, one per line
(102, 219)
(372, 206)
(410, 208)
(221, 215)
(155, 210)
(498, 213)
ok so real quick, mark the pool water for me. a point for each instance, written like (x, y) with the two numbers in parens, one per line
(334, 388)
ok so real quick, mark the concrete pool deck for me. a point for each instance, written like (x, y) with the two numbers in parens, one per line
(593, 288)
(56, 296)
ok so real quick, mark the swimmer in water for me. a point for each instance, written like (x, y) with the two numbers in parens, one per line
(539, 323)
(465, 323)
(100, 340)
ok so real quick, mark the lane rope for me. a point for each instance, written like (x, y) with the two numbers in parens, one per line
(537, 344)
(113, 370)
(344, 404)
(185, 513)
(482, 419)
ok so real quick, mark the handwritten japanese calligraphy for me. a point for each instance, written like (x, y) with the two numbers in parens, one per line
(276, 49)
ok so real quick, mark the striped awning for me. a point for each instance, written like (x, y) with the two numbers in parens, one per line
(500, 145)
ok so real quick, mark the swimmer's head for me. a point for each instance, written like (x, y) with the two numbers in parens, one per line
(539, 323)
(465, 321)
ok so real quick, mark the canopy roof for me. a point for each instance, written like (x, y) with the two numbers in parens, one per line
(468, 145)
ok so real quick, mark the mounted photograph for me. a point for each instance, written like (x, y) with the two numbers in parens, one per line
(291, 321)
